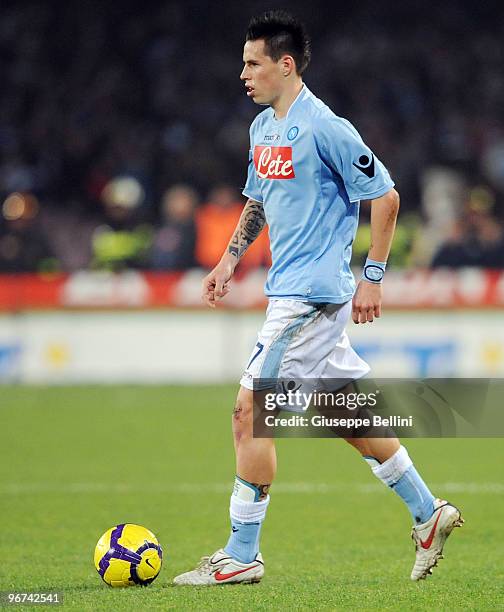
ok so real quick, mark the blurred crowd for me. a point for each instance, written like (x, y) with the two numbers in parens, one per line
(124, 129)
(189, 233)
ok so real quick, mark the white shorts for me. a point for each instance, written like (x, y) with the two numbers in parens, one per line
(303, 340)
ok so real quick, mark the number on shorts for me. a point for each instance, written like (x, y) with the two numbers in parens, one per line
(254, 357)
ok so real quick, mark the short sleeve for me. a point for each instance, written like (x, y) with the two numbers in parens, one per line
(344, 151)
(252, 189)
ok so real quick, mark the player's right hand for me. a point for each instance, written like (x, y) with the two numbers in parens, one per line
(216, 284)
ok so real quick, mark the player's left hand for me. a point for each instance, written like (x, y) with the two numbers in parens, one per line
(366, 304)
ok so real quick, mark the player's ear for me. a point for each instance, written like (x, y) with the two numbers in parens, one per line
(287, 65)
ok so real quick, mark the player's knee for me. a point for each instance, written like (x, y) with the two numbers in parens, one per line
(242, 414)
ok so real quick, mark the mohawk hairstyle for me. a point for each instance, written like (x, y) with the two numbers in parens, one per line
(283, 34)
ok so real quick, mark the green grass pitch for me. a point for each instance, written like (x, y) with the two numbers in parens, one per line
(78, 460)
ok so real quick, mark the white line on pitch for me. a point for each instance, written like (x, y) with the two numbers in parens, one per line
(474, 488)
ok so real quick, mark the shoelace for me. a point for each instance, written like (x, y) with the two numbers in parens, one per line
(204, 566)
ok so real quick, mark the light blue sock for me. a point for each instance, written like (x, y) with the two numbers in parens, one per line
(247, 514)
(243, 543)
(415, 493)
(399, 473)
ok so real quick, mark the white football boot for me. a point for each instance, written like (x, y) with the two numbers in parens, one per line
(430, 537)
(220, 568)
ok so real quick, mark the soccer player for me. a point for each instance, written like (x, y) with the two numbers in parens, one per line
(308, 170)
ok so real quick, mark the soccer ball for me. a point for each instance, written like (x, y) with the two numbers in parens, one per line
(128, 555)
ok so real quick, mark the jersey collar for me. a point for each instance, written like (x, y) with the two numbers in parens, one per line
(305, 92)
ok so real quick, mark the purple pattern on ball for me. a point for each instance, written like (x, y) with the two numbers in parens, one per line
(117, 551)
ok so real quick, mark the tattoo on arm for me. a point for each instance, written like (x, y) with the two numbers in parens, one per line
(249, 226)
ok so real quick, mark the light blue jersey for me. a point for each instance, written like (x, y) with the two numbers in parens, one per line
(310, 170)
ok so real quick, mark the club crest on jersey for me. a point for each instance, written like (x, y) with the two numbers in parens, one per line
(293, 132)
(273, 162)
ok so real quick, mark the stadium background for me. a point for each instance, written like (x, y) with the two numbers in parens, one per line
(123, 149)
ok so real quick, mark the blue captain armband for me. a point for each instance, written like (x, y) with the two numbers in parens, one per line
(374, 271)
